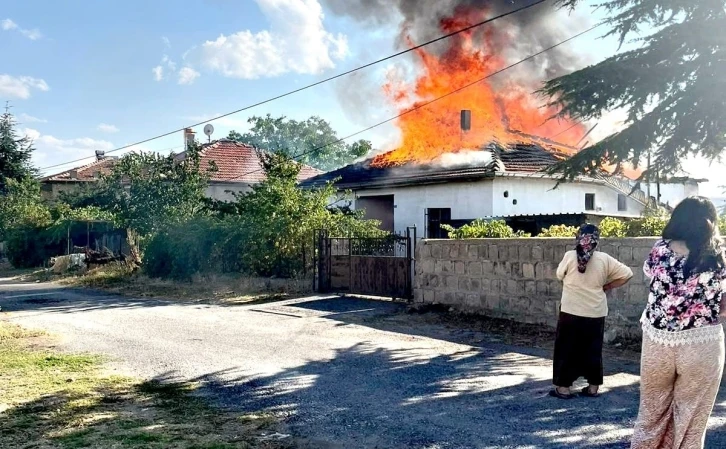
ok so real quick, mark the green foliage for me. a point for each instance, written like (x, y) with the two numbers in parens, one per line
(722, 225)
(483, 229)
(559, 231)
(671, 85)
(15, 152)
(613, 227)
(147, 192)
(21, 204)
(30, 245)
(651, 225)
(267, 232)
(185, 249)
(313, 140)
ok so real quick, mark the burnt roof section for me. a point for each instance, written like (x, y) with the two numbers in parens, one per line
(519, 158)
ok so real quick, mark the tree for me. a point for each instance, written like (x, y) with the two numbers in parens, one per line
(15, 152)
(312, 142)
(277, 218)
(147, 191)
(672, 86)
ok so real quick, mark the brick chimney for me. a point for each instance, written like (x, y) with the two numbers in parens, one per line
(188, 138)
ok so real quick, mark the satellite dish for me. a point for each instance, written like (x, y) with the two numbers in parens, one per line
(208, 130)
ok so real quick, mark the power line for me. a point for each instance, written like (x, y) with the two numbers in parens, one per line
(317, 83)
(423, 105)
(106, 152)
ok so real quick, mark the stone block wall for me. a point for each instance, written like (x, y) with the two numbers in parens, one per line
(515, 279)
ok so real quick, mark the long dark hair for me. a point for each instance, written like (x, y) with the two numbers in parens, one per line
(695, 222)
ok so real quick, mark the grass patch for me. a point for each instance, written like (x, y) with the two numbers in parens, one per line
(65, 401)
(214, 289)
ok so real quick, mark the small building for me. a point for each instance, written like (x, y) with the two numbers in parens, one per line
(490, 183)
(238, 168)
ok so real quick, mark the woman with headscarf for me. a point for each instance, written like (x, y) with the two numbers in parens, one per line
(683, 340)
(587, 275)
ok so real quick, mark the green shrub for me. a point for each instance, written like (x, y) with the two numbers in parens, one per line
(483, 229)
(31, 246)
(648, 226)
(613, 227)
(559, 231)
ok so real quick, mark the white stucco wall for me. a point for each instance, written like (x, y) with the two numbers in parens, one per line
(485, 199)
(222, 191)
(672, 194)
(535, 195)
(467, 201)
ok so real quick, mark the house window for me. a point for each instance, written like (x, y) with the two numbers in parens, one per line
(589, 201)
(622, 203)
(434, 219)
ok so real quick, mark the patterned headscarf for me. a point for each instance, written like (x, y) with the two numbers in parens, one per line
(588, 237)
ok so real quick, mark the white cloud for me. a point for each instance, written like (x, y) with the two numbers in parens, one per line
(51, 150)
(187, 75)
(20, 86)
(30, 119)
(103, 127)
(9, 25)
(166, 64)
(158, 72)
(166, 41)
(296, 42)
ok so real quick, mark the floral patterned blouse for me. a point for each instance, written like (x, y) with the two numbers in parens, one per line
(676, 303)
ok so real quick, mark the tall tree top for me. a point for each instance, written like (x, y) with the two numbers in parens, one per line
(672, 86)
(15, 151)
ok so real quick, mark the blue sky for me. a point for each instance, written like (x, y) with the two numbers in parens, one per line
(87, 75)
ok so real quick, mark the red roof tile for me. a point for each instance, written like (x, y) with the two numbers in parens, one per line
(84, 173)
(237, 162)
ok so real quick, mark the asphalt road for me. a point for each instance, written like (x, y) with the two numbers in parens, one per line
(346, 373)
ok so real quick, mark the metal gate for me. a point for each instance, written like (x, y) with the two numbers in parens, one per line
(365, 266)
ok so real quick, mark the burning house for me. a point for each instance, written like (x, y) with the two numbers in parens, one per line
(452, 166)
(493, 181)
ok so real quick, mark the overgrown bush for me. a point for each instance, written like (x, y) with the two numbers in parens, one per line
(483, 229)
(649, 226)
(559, 231)
(30, 246)
(266, 232)
(613, 227)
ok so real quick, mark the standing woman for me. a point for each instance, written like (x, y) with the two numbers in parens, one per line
(587, 275)
(683, 342)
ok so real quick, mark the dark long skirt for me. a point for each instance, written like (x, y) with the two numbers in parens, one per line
(578, 350)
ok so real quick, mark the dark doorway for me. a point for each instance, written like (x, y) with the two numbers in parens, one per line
(378, 208)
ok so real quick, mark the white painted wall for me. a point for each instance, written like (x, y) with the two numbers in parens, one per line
(535, 195)
(467, 201)
(672, 194)
(222, 190)
(485, 199)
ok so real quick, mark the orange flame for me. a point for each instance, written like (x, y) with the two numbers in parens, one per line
(500, 113)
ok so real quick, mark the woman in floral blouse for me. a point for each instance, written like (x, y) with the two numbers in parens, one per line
(683, 341)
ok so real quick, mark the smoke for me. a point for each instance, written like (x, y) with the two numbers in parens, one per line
(512, 38)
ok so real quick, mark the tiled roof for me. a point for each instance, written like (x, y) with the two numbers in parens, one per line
(237, 162)
(85, 173)
(520, 158)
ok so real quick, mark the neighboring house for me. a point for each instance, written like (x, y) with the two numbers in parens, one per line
(238, 169)
(52, 186)
(490, 183)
